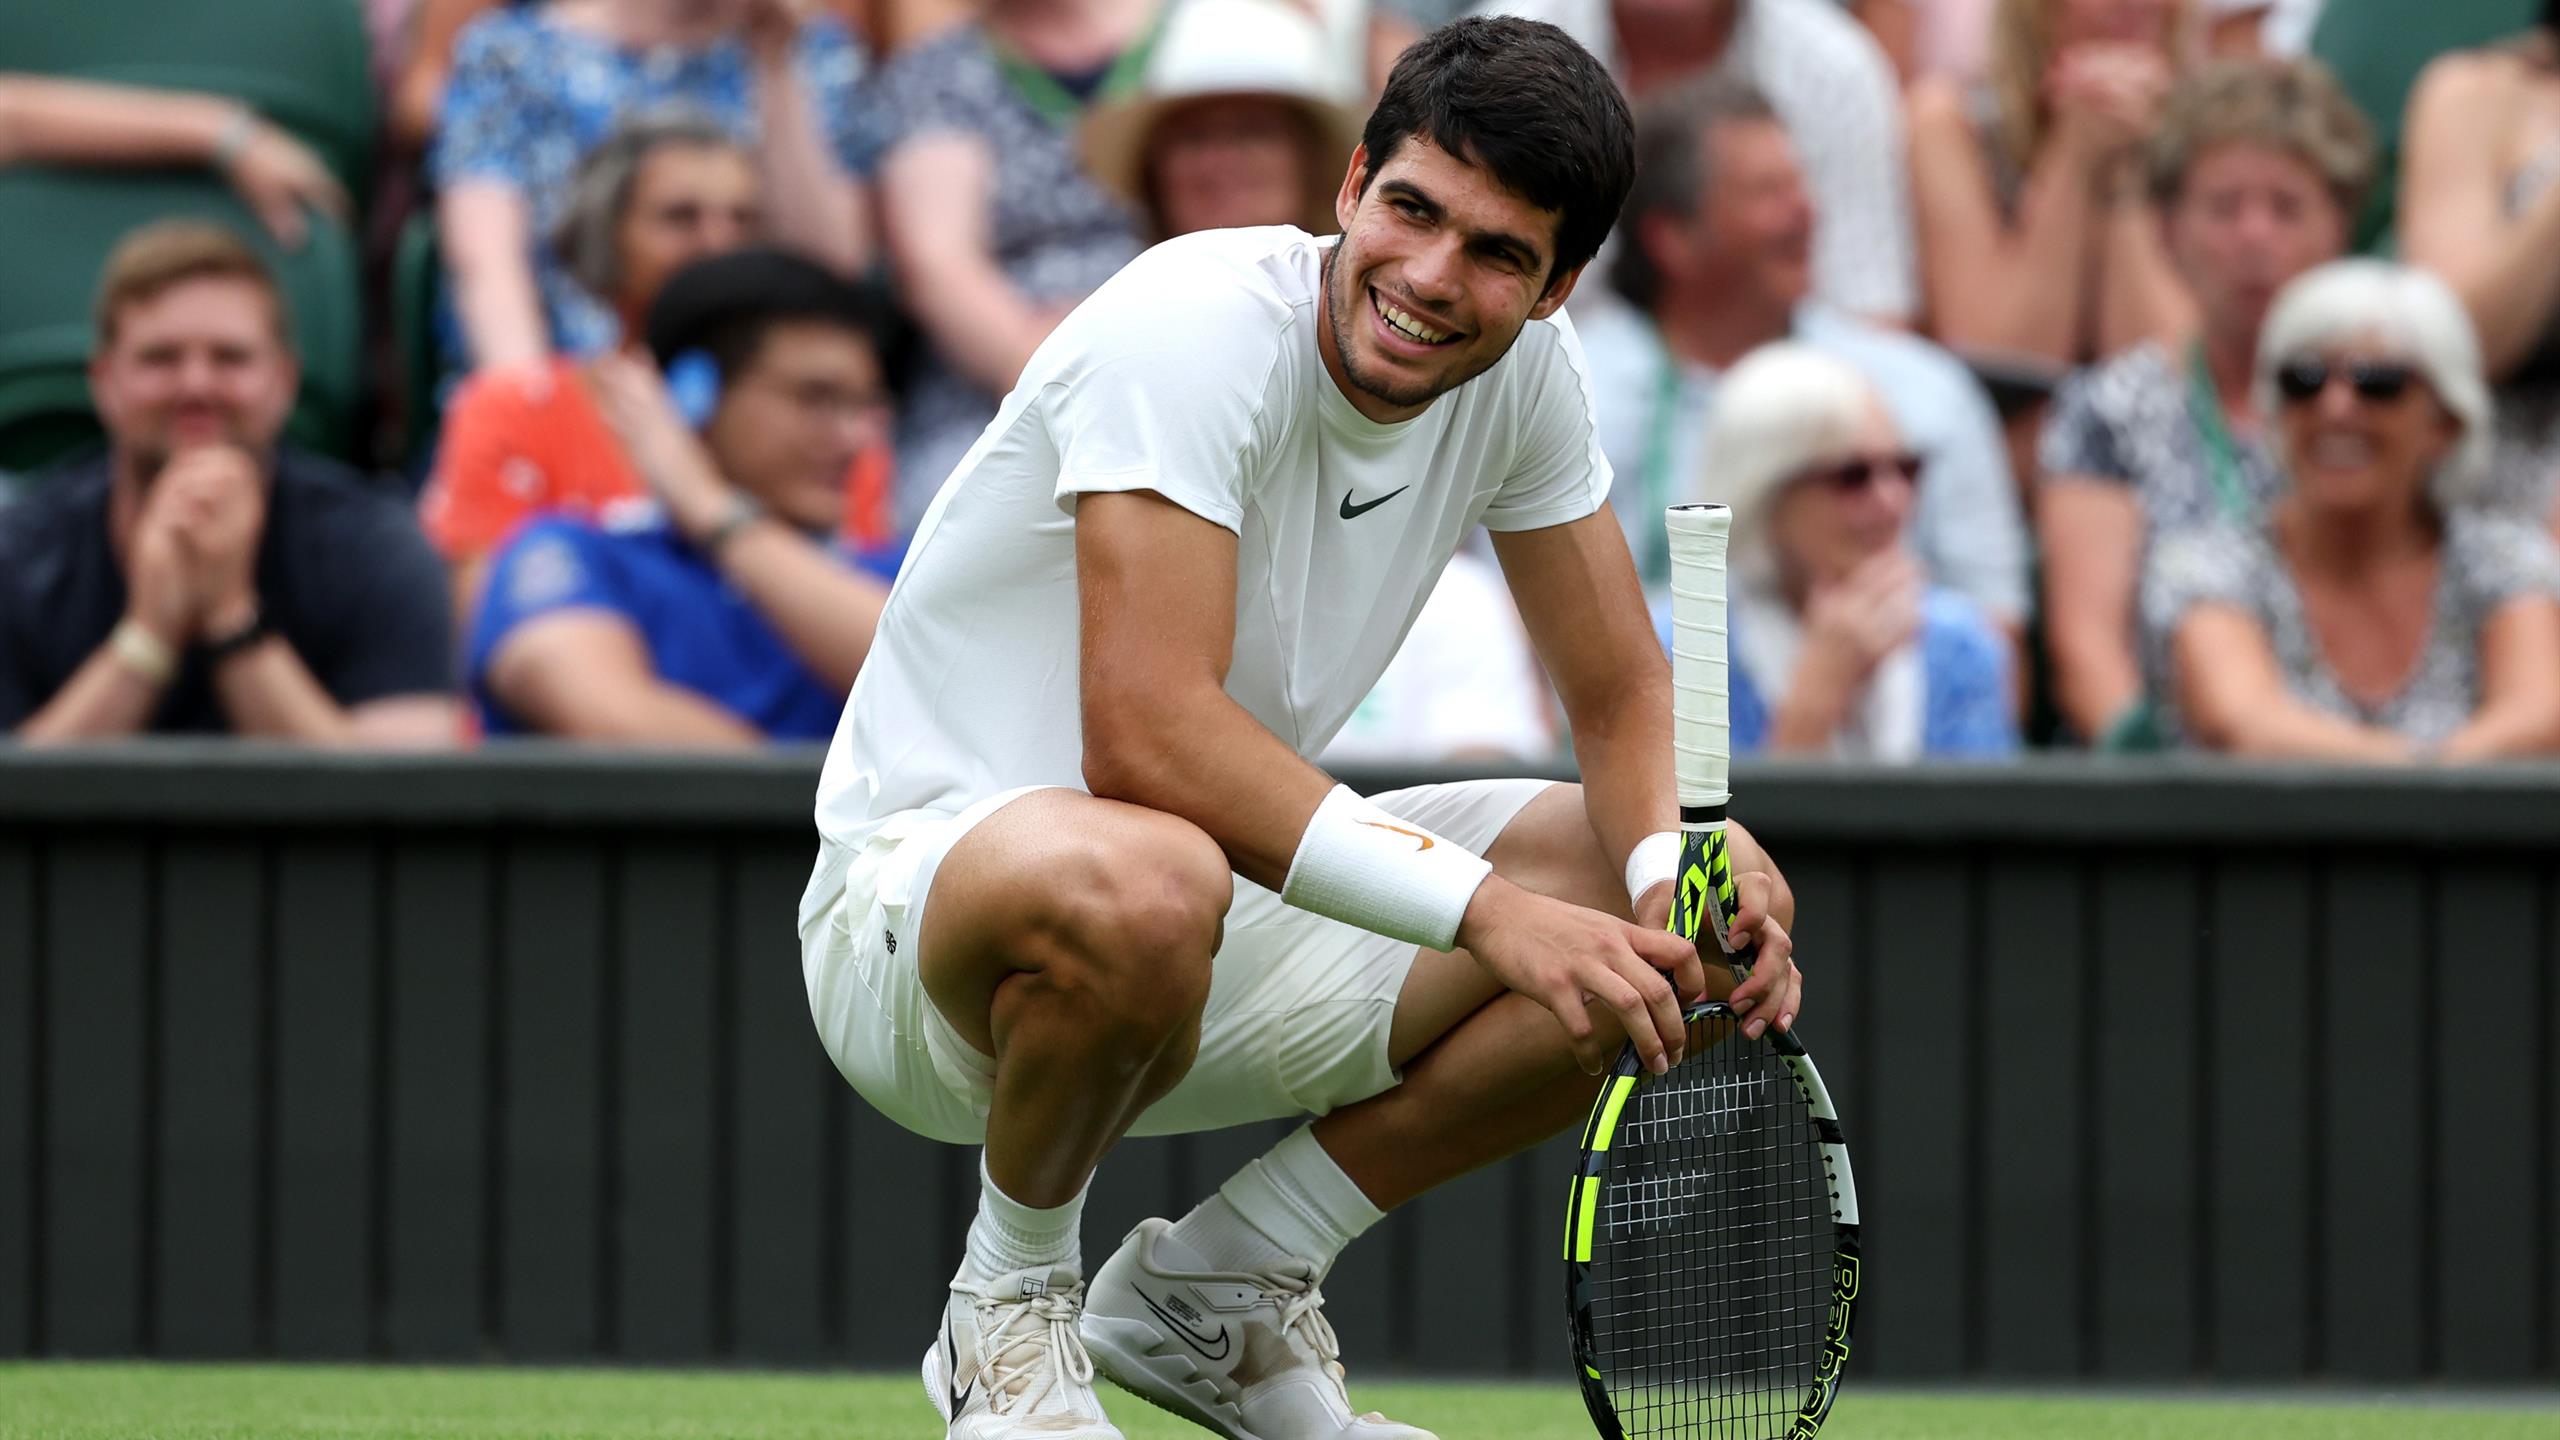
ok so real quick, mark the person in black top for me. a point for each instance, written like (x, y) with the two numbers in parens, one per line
(199, 577)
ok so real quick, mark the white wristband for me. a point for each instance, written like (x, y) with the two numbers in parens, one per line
(1362, 866)
(1655, 859)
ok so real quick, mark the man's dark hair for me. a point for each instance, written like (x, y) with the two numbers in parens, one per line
(1671, 166)
(726, 305)
(1520, 100)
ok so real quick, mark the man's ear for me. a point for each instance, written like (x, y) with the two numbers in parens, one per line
(1346, 201)
(1559, 291)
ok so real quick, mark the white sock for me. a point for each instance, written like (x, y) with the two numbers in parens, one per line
(1009, 1235)
(1293, 1202)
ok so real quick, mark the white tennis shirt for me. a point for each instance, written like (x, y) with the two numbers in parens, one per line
(1194, 373)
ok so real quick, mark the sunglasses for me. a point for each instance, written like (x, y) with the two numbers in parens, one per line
(1850, 476)
(2378, 381)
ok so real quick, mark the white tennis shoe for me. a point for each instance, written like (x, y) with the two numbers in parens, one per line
(1009, 1364)
(1248, 1356)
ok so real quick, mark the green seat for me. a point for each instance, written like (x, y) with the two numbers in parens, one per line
(59, 227)
(301, 63)
(2376, 49)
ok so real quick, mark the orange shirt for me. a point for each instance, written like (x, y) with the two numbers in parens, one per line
(514, 446)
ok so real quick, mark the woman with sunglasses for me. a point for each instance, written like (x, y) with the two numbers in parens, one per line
(1839, 647)
(2378, 610)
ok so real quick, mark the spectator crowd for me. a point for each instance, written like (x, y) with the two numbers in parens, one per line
(2104, 374)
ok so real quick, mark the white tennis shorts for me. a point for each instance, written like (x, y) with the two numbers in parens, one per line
(1299, 1005)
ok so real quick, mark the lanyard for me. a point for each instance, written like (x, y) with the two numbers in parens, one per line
(1654, 565)
(1057, 104)
(2221, 451)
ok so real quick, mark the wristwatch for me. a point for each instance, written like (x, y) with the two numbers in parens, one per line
(218, 648)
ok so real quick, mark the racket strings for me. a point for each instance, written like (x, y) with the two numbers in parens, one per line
(1711, 1279)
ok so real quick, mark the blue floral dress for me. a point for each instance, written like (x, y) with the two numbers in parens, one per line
(529, 97)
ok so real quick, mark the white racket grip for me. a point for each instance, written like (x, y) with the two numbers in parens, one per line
(1701, 737)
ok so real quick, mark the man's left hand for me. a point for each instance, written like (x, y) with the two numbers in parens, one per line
(219, 498)
(1776, 987)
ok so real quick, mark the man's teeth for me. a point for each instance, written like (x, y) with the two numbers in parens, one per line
(1409, 325)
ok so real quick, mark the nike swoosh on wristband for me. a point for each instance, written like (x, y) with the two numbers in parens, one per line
(1354, 512)
(1198, 1341)
(1409, 834)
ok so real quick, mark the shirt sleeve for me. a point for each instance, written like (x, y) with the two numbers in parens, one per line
(1853, 148)
(1154, 390)
(467, 506)
(832, 70)
(1976, 542)
(2209, 564)
(1562, 474)
(2497, 557)
(2079, 437)
(551, 565)
(392, 620)
(482, 126)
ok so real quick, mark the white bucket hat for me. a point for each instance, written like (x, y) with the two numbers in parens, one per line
(1271, 48)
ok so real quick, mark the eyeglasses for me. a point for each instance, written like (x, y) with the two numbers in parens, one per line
(2377, 381)
(1850, 476)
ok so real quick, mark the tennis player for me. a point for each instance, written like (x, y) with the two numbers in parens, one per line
(1080, 879)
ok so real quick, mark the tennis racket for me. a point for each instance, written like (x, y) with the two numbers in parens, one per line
(1711, 1241)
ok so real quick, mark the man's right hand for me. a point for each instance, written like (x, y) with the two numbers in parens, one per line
(160, 582)
(1565, 957)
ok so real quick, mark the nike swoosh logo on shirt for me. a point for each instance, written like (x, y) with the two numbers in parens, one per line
(1354, 512)
(1198, 1341)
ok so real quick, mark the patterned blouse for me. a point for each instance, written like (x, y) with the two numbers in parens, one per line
(1056, 234)
(2488, 560)
(530, 97)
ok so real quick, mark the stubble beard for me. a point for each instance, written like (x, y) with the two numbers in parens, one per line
(1337, 310)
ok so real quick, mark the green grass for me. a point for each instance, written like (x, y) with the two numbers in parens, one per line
(71, 1401)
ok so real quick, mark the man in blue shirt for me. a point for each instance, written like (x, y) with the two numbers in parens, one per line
(724, 613)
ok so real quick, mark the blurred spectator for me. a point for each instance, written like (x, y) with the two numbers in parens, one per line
(1712, 263)
(45, 121)
(535, 87)
(2374, 612)
(994, 228)
(414, 96)
(198, 577)
(729, 615)
(1839, 645)
(1830, 84)
(1239, 121)
(1464, 686)
(2038, 237)
(2480, 205)
(2258, 170)
(1924, 38)
(662, 193)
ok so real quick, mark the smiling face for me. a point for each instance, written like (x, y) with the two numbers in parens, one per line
(200, 363)
(1845, 506)
(807, 402)
(2370, 436)
(1438, 269)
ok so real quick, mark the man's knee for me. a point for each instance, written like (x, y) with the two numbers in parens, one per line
(1132, 924)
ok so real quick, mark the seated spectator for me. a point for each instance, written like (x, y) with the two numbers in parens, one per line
(1712, 263)
(2480, 206)
(1838, 645)
(2038, 235)
(994, 228)
(199, 577)
(662, 193)
(44, 121)
(1238, 122)
(2258, 169)
(2374, 612)
(1464, 687)
(729, 614)
(535, 87)
(1829, 83)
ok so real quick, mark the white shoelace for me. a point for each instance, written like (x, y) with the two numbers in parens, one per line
(1013, 1351)
(1302, 1314)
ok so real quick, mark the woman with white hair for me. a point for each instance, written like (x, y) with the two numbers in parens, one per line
(1838, 645)
(2376, 611)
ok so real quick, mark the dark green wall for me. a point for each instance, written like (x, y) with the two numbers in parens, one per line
(2150, 1071)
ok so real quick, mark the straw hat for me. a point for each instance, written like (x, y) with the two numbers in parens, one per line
(1212, 48)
